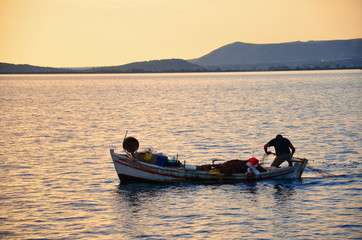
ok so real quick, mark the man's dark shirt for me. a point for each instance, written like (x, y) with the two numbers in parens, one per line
(281, 145)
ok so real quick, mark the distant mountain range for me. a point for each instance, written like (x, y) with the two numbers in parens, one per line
(167, 65)
(237, 56)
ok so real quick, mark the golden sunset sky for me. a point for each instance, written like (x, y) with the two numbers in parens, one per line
(80, 33)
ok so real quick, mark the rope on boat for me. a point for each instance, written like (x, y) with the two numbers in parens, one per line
(318, 171)
(315, 170)
(217, 173)
(296, 159)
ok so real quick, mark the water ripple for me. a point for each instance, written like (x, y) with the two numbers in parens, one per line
(57, 180)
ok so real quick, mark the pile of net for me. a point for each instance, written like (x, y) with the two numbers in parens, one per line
(230, 167)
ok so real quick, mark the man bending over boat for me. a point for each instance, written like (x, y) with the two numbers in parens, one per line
(282, 149)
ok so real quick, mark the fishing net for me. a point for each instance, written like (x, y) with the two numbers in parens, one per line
(318, 171)
(229, 167)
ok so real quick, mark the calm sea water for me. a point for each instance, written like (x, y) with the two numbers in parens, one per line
(57, 180)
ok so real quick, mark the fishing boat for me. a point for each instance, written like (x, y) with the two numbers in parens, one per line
(144, 166)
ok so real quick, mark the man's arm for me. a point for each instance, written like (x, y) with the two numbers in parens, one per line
(293, 149)
(266, 149)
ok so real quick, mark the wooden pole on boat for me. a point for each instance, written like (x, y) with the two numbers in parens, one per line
(125, 135)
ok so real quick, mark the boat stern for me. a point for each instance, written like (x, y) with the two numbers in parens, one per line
(299, 165)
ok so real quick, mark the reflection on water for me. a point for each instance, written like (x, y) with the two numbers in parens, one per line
(57, 180)
(241, 210)
(283, 193)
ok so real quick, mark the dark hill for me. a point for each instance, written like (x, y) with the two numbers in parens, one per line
(239, 53)
(167, 65)
(6, 68)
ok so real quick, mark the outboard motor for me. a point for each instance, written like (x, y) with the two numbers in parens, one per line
(131, 145)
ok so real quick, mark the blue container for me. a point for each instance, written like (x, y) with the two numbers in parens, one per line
(161, 160)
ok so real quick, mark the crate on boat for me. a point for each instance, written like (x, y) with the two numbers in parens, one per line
(161, 160)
